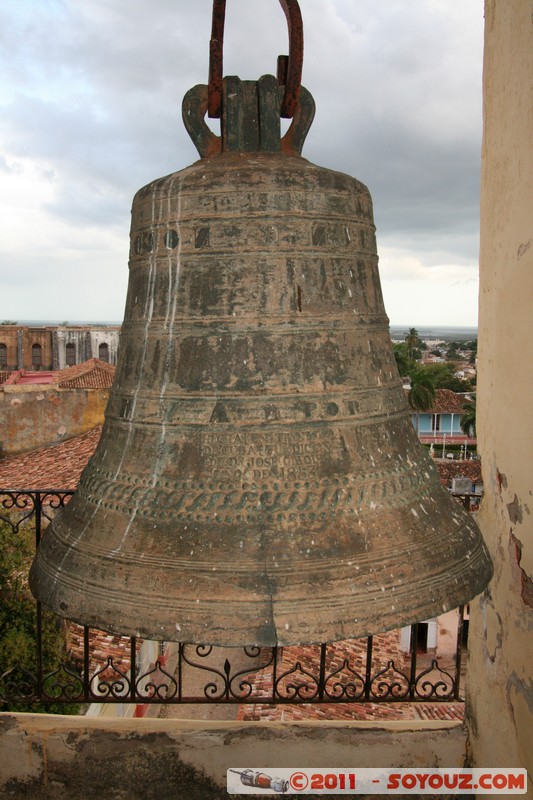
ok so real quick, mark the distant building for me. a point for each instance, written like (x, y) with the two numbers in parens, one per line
(54, 347)
(441, 424)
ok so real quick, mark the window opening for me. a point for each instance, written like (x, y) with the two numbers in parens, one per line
(71, 354)
(103, 352)
(36, 356)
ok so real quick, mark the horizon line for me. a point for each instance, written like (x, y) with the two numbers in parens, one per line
(119, 322)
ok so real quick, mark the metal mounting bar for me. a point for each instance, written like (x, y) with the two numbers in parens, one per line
(289, 71)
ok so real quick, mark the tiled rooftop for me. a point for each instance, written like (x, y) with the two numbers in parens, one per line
(56, 467)
(447, 402)
(345, 659)
(355, 711)
(92, 374)
(457, 469)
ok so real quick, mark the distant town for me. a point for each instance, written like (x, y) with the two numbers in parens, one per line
(430, 332)
(437, 365)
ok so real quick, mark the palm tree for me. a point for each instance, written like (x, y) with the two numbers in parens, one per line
(422, 393)
(413, 342)
(468, 418)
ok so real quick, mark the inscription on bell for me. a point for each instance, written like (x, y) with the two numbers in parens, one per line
(171, 239)
(202, 237)
(280, 455)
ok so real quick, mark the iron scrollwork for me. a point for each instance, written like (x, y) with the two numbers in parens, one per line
(21, 506)
(18, 685)
(63, 684)
(441, 687)
(345, 683)
(226, 686)
(156, 684)
(346, 673)
(110, 682)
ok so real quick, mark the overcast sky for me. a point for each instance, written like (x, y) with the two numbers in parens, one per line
(91, 111)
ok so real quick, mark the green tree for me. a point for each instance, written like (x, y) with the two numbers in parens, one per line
(18, 634)
(444, 377)
(422, 393)
(468, 418)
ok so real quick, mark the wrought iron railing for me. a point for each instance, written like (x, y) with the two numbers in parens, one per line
(371, 670)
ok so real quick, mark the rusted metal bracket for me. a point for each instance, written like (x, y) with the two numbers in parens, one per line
(233, 138)
(289, 68)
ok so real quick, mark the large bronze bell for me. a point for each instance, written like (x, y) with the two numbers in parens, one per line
(258, 480)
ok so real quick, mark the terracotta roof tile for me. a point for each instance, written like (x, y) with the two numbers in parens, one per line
(438, 711)
(447, 402)
(458, 469)
(55, 467)
(91, 374)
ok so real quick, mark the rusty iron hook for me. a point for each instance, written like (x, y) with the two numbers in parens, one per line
(289, 70)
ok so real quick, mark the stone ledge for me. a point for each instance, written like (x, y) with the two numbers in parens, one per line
(49, 757)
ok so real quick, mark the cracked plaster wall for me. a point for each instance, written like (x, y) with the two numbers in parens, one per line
(500, 682)
(34, 416)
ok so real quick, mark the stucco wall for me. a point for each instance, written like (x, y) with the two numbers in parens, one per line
(500, 678)
(10, 338)
(44, 757)
(34, 416)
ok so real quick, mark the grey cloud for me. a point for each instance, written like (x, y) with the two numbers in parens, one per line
(94, 91)
(9, 167)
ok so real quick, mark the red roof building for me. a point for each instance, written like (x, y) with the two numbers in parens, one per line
(441, 424)
(91, 374)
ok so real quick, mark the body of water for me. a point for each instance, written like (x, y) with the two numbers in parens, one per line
(449, 333)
